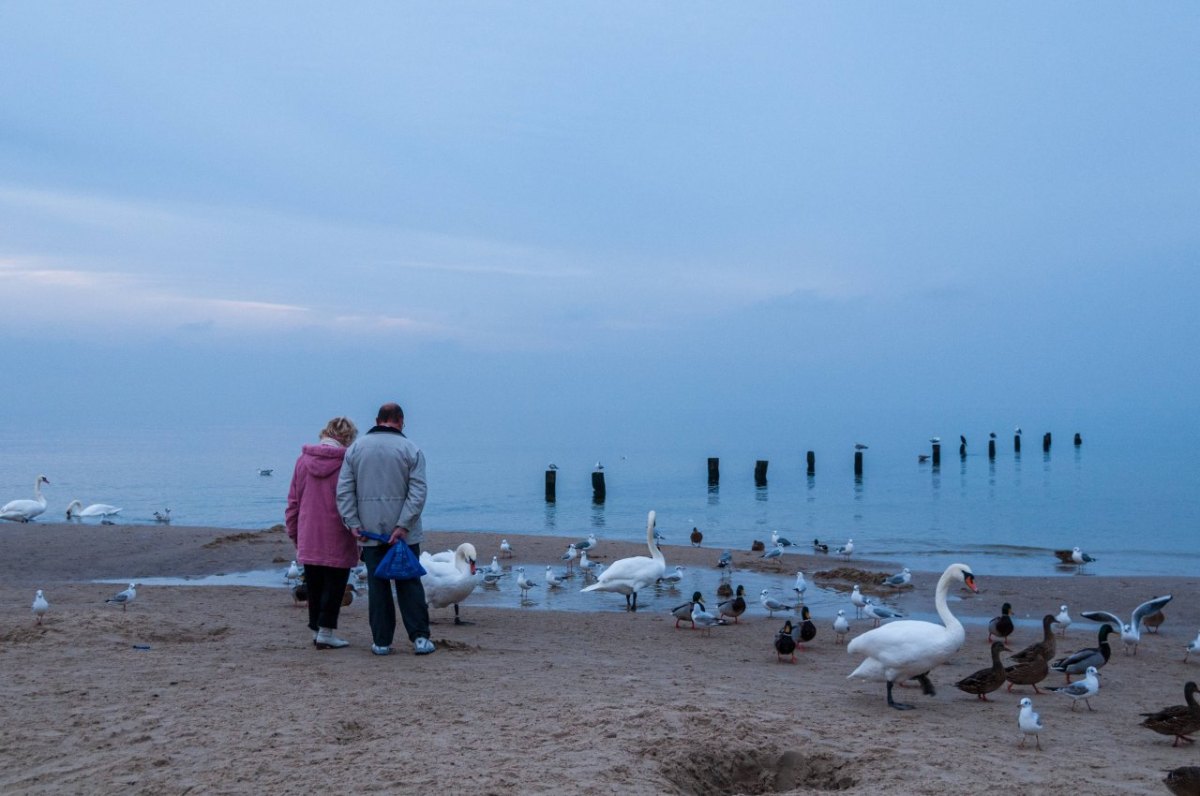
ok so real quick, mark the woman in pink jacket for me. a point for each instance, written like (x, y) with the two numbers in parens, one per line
(323, 543)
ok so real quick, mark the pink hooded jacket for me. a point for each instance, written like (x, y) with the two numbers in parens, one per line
(312, 518)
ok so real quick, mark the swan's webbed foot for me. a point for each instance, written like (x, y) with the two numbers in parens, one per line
(894, 704)
(927, 685)
(458, 621)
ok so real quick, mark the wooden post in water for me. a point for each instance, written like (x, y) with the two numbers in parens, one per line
(858, 463)
(760, 472)
(1017, 443)
(992, 447)
(962, 447)
(812, 463)
(714, 471)
(598, 491)
(937, 454)
(1078, 439)
(551, 481)
(1046, 442)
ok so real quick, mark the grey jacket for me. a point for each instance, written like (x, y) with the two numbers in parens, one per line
(381, 485)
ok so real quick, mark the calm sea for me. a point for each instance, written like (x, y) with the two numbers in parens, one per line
(1002, 515)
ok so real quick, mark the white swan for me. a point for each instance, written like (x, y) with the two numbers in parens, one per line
(910, 648)
(448, 581)
(628, 576)
(103, 510)
(26, 510)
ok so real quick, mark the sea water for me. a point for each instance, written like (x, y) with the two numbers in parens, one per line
(1003, 515)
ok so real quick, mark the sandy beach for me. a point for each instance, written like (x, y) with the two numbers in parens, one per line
(219, 689)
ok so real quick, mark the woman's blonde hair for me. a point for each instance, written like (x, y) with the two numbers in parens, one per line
(341, 429)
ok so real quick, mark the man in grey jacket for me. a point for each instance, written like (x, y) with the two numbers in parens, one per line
(381, 488)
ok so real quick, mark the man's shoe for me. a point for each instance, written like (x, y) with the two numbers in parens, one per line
(325, 640)
(378, 650)
(423, 646)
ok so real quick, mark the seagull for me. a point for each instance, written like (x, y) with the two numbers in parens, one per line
(1130, 634)
(780, 541)
(570, 556)
(658, 537)
(922, 458)
(1063, 620)
(551, 466)
(505, 548)
(494, 567)
(524, 583)
(858, 446)
(293, 573)
(703, 618)
(772, 605)
(599, 466)
(25, 510)
(900, 579)
(935, 440)
(879, 612)
(683, 611)
(1193, 646)
(962, 440)
(265, 471)
(859, 601)
(801, 585)
(725, 561)
(846, 549)
(1083, 689)
(1029, 723)
(40, 606)
(587, 544)
(552, 580)
(773, 554)
(588, 566)
(841, 626)
(163, 516)
(1074, 556)
(819, 546)
(991, 435)
(1017, 430)
(672, 579)
(124, 598)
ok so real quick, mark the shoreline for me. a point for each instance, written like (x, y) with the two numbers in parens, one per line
(634, 705)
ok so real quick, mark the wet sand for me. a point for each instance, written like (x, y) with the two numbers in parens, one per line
(231, 697)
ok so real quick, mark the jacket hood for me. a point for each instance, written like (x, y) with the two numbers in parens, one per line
(322, 461)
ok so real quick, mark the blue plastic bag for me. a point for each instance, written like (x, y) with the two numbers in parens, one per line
(399, 563)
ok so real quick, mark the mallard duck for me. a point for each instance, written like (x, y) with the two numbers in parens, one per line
(785, 645)
(819, 546)
(1178, 720)
(1002, 626)
(1078, 662)
(1029, 672)
(696, 537)
(683, 612)
(985, 681)
(724, 589)
(1183, 781)
(806, 631)
(1044, 649)
(735, 606)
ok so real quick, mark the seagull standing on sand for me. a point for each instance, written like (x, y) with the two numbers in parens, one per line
(725, 561)
(879, 612)
(703, 618)
(293, 573)
(1029, 723)
(846, 549)
(587, 544)
(841, 626)
(1083, 689)
(1193, 646)
(124, 598)
(1063, 620)
(40, 606)
(900, 579)
(505, 548)
(773, 554)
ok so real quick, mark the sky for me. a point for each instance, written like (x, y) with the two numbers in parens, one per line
(579, 224)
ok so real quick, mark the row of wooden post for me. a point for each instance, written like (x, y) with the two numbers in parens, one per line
(760, 466)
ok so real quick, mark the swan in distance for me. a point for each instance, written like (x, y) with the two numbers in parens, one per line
(630, 575)
(103, 510)
(25, 509)
(909, 647)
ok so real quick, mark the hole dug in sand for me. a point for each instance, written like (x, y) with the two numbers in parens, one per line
(713, 772)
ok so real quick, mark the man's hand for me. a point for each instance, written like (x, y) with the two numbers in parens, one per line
(399, 534)
(356, 533)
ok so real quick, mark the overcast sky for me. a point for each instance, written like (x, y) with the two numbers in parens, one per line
(710, 222)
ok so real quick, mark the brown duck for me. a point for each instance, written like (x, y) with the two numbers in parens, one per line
(985, 681)
(1183, 781)
(1044, 648)
(1178, 720)
(1029, 672)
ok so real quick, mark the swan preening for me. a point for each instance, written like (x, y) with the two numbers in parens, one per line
(25, 510)
(449, 577)
(75, 510)
(911, 648)
(628, 576)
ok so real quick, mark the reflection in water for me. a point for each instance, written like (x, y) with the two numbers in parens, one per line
(551, 516)
(714, 494)
(597, 515)
(760, 493)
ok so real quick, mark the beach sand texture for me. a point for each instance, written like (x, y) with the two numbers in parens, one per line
(231, 696)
